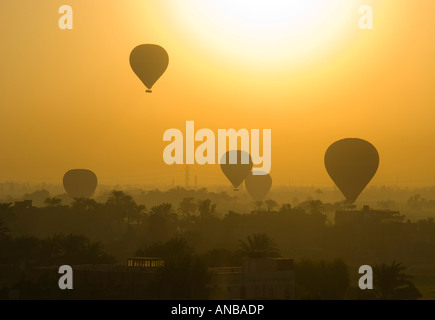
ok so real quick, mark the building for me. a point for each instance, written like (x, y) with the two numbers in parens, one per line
(25, 204)
(108, 281)
(145, 263)
(366, 216)
(258, 278)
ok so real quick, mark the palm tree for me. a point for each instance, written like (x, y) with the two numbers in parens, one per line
(50, 250)
(84, 205)
(391, 282)
(259, 245)
(184, 275)
(77, 249)
(121, 206)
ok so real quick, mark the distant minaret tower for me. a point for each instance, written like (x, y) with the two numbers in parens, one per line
(187, 177)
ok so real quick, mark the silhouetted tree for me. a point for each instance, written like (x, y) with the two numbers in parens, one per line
(184, 275)
(205, 208)
(391, 283)
(162, 222)
(38, 197)
(72, 249)
(416, 202)
(426, 225)
(172, 248)
(121, 206)
(259, 245)
(187, 206)
(315, 206)
(53, 202)
(285, 208)
(84, 205)
(271, 204)
(163, 209)
(258, 205)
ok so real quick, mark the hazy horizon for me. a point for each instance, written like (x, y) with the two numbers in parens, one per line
(71, 102)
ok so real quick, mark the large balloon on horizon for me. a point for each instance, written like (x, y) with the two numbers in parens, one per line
(238, 165)
(258, 186)
(80, 183)
(149, 62)
(351, 163)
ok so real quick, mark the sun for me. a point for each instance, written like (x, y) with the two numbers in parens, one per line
(266, 32)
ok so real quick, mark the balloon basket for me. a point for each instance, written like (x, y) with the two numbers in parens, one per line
(149, 91)
(236, 189)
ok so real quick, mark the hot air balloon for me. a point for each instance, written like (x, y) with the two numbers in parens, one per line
(149, 62)
(236, 165)
(80, 183)
(351, 163)
(258, 186)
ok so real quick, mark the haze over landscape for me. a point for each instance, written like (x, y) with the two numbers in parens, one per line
(73, 102)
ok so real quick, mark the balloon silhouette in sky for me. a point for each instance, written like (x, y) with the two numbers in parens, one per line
(351, 163)
(237, 166)
(149, 62)
(258, 186)
(80, 183)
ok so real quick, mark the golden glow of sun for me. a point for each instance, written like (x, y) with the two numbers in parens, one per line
(267, 32)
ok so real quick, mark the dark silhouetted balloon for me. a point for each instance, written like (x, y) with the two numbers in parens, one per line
(149, 62)
(237, 166)
(258, 186)
(80, 183)
(351, 163)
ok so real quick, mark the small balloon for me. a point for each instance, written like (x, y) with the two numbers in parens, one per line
(236, 165)
(80, 183)
(258, 186)
(149, 62)
(351, 163)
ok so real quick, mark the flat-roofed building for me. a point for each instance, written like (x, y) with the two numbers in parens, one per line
(258, 278)
(366, 215)
(140, 262)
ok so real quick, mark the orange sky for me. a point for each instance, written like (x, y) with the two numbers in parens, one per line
(69, 99)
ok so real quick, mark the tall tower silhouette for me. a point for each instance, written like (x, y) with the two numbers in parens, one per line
(187, 177)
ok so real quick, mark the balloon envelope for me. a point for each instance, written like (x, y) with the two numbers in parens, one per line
(236, 165)
(149, 62)
(258, 186)
(80, 183)
(351, 163)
